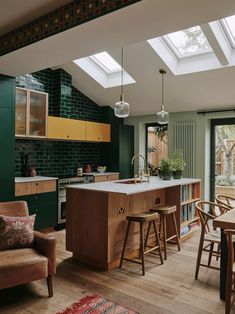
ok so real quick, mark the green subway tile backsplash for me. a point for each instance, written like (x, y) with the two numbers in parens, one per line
(56, 158)
(59, 158)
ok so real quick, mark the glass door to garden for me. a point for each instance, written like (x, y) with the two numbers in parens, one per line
(222, 157)
(156, 146)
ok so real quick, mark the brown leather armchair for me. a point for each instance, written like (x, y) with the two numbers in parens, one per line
(19, 266)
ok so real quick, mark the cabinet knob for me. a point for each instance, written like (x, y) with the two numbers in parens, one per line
(36, 197)
(36, 184)
(67, 136)
(36, 210)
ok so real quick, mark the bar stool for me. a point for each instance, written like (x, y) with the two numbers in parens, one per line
(141, 219)
(164, 211)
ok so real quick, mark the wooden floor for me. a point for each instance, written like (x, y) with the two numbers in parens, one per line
(168, 288)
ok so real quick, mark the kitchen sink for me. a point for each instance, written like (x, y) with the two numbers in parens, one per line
(130, 182)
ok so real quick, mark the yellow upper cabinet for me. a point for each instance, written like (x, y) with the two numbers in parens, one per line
(97, 132)
(66, 129)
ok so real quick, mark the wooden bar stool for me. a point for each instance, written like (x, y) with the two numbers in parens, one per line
(165, 211)
(141, 219)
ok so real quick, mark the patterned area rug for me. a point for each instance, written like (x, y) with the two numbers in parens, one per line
(94, 304)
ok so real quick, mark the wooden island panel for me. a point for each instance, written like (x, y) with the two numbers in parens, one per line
(96, 216)
(96, 224)
(86, 226)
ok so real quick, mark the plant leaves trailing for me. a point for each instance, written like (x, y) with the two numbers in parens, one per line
(161, 131)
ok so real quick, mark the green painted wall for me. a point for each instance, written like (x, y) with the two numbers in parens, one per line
(7, 137)
(202, 151)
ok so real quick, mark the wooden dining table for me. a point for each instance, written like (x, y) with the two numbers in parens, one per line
(225, 221)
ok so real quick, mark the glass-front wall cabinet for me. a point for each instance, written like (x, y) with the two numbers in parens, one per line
(38, 113)
(21, 111)
(31, 113)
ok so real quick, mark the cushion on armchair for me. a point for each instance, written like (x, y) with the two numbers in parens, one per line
(16, 232)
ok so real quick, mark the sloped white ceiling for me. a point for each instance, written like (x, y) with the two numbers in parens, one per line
(131, 27)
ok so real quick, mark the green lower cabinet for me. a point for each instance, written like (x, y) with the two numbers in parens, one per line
(45, 206)
(46, 215)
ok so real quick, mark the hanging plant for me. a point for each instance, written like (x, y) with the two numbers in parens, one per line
(161, 131)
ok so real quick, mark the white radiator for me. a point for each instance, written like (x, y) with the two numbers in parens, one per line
(185, 140)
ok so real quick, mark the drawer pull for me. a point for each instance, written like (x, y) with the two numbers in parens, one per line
(36, 184)
(36, 197)
(121, 210)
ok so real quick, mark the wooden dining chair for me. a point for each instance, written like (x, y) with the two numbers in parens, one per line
(207, 211)
(230, 236)
(225, 200)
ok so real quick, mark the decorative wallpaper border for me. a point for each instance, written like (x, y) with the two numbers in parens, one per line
(70, 15)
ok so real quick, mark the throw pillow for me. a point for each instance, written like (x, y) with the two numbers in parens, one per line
(16, 232)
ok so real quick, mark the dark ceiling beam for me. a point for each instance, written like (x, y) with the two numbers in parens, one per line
(70, 15)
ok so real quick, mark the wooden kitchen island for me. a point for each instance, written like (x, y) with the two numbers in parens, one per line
(96, 215)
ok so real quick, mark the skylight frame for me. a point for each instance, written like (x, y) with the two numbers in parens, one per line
(228, 32)
(173, 48)
(103, 66)
(101, 74)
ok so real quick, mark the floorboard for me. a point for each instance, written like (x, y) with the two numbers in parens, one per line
(167, 288)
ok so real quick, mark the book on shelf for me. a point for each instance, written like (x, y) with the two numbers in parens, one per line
(193, 210)
(184, 230)
(186, 192)
(189, 192)
(187, 212)
(193, 225)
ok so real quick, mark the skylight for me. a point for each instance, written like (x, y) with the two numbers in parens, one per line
(228, 24)
(105, 61)
(104, 69)
(188, 42)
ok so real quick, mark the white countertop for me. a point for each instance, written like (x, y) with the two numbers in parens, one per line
(32, 179)
(99, 173)
(119, 187)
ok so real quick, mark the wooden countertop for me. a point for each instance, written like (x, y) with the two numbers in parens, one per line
(225, 221)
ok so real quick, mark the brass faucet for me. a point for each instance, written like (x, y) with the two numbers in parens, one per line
(142, 173)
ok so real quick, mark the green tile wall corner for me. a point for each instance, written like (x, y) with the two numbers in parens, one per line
(64, 99)
(70, 15)
(52, 158)
(117, 154)
(7, 137)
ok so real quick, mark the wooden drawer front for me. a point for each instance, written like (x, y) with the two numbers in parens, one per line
(27, 188)
(103, 178)
(112, 177)
(38, 199)
(97, 132)
(46, 215)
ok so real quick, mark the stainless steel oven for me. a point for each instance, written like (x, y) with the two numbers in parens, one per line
(62, 183)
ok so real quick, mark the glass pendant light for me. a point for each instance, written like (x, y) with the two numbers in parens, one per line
(162, 116)
(121, 108)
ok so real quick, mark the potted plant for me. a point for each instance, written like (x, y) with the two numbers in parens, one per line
(165, 169)
(178, 164)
